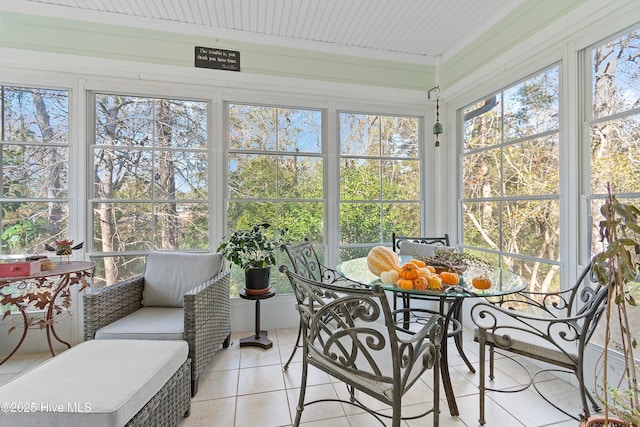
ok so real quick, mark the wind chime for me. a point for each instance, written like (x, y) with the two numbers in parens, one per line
(437, 126)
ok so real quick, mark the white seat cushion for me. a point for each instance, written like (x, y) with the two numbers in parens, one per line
(169, 275)
(381, 358)
(148, 323)
(96, 383)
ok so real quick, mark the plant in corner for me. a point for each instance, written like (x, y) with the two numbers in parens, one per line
(618, 267)
(253, 249)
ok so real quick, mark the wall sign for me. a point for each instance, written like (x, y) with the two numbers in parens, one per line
(218, 59)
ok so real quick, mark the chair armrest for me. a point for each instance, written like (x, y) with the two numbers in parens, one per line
(207, 319)
(111, 303)
(555, 339)
(424, 343)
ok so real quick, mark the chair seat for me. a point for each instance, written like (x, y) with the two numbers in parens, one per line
(381, 360)
(538, 351)
(147, 323)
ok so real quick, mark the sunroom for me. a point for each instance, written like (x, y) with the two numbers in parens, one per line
(136, 127)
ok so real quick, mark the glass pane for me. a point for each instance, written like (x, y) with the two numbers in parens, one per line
(532, 228)
(359, 179)
(252, 176)
(35, 115)
(359, 135)
(240, 214)
(119, 268)
(400, 180)
(481, 174)
(123, 174)
(299, 130)
(532, 167)
(27, 226)
(120, 227)
(401, 218)
(359, 223)
(353, 253)
(615, 155)
(304, 219)
(35, 171)
(531, 107)
(182, 124)
(491, 258)
(483, 123)
(399, 136)
(252, 127)
(300, 177)
(542, 277)
(481, 224)
(124, 120)
(616, 81)
(180, 175)
(181, 226)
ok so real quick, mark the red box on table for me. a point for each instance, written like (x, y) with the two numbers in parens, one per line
(19, 269)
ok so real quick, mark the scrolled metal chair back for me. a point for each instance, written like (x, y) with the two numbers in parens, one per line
(350, 327)
(305, 261)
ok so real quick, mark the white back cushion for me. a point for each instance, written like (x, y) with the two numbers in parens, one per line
(417, 249)
(169, 275)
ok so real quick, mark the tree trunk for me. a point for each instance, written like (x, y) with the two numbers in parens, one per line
(166, 180)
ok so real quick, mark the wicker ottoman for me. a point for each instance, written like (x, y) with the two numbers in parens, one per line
(103, 383)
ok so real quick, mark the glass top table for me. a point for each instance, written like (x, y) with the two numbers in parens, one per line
(450, 298)
(503, 282)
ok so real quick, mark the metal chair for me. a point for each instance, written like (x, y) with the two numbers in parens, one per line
(553, 327)
(348, 333)
(424, 247)
(397, 241)
(304, 261)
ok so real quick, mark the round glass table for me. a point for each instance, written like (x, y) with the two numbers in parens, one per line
(449, 298)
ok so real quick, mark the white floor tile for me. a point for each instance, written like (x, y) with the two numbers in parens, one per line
(246, 387)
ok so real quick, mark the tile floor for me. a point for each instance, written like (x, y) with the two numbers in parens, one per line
(246, 387)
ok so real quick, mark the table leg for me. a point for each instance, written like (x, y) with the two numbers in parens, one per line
(259, 339)
(444, 359)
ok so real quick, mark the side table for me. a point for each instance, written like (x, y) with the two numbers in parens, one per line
(259, 339)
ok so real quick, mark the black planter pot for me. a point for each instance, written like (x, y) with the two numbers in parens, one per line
(256, 280)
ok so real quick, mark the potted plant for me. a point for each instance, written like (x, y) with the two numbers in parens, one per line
(253, 249)
(618, 267)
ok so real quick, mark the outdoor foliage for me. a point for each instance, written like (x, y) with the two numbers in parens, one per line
(34, 168)
(511, 179)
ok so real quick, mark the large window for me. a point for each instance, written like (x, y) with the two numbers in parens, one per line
(275, 174)
(614, 131)
(510, 206)
(35, 154)
(150, 188)
(34, 196)
(380, 190)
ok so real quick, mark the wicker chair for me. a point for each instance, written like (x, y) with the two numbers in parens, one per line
(304, 261)
(180, 296)
(553, 327)
(348, 333)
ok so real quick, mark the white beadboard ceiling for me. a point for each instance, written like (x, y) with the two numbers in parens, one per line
(415, 31)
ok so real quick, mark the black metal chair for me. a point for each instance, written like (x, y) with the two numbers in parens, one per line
(424, 247)
(348, 332)
(304, 261)
(553, 327)
(397, 241)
